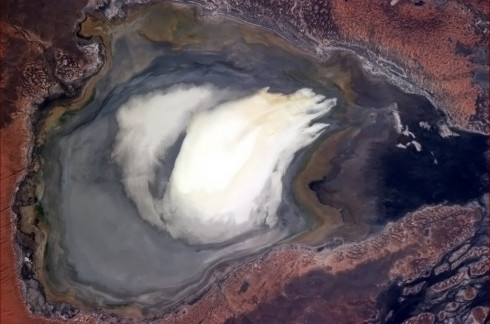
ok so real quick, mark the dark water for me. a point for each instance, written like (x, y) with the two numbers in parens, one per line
(397, 307)
(390, 181)
(446, 170)
(452, 171)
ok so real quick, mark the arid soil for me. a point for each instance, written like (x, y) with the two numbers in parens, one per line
(297, 285)
(440, 46)
(40, 60)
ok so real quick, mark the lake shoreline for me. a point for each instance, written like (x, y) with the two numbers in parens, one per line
(19, 151)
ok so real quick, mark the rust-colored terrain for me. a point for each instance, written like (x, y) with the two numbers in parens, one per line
(440, 46)
(40, 60)
(294, 285)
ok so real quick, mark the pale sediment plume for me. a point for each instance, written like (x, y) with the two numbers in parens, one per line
(148, 125)
(227, 178)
